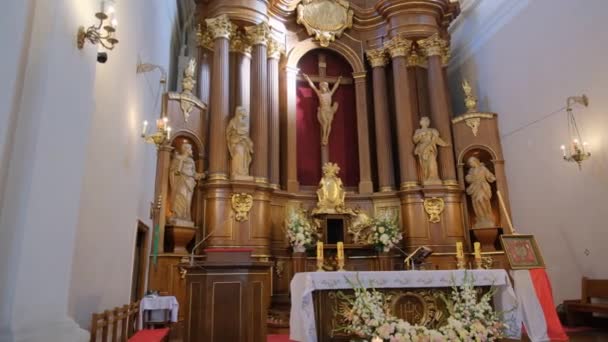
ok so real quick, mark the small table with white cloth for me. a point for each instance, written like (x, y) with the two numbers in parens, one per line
(155, 307)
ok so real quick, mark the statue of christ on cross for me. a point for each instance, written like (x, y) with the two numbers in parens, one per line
(326, 110)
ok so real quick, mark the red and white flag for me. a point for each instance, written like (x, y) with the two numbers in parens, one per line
(535, 297)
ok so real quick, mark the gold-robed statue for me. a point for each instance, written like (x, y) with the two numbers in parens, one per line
(427, 139)
(330, 194)
(182, 179)
(240, 145)
(479, 179)
(326, 110)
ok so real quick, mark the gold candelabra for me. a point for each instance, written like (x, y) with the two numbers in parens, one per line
(162, 134)
(102, 33)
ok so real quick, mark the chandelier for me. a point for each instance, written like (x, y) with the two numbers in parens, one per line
(577, 149)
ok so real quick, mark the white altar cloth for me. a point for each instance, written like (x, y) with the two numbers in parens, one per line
(302, 320)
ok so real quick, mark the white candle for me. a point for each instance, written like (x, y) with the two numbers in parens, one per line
(169, 132)
(144, 129)
(563, 150)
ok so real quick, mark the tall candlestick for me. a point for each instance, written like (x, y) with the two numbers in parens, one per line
(341, 250)
(459, 250)
(319, 250)
(477, 247)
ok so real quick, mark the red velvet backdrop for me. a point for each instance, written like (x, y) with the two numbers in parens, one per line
(343, 148)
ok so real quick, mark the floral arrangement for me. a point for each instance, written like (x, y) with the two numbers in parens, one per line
(385, 233)
(470, 319)
(300, 232)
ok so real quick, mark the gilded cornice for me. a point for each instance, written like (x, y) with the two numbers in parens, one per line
(239, 42)
(275, 48)
(258, 34)
(398, 46)
(220, 26)
(433, 45)
(376, 57)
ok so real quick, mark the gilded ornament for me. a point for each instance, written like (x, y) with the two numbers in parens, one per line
(398, 46)
(469, 100)
(434, 207)
(360, 227)
(239, 42)
(331, 193)
(241, 204)
(258, 34)
(219, 27)
(434, 46)
(377, 57)
(187, 100)
(275, 49)
(473, 123)
(204, 38)
(279, 267)
(325, 19)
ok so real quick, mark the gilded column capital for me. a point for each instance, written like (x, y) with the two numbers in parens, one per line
(275, 48)
(433, 45)
(220, 26)
(377, 57)
(398, 46)
(204, 38)
(239, 42)
(258, 34)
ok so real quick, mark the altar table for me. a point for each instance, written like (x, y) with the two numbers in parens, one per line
(302, 321)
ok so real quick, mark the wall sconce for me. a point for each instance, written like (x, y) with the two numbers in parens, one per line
(163, 130)
(576, 151)
(162, 134)
(95, 35)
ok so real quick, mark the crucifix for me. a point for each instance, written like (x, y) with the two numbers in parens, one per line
(326, 109)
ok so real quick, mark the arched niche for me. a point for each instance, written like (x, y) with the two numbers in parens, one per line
(301, 48)
(486, 156)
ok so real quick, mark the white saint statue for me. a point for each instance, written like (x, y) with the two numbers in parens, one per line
(326, 110)
(182, 178)
(427, 139)
(240, 145)
(479, 178)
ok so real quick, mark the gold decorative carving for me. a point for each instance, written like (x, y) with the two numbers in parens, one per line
(219, 27)
(258, 34)
(204, 37)
(331, 193)
(434, 46)
(473, 123)
(279, 268)
(398, 46)
(434, 207)
(275, 49)
(325, 19)
(469, 100)
(187, 100)
(377, 57)
(239, 42)
(360, 227)
(241, 204)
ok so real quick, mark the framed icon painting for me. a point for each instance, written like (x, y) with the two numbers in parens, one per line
(522, 251)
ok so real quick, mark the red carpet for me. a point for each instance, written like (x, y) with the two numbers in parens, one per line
(277, 338)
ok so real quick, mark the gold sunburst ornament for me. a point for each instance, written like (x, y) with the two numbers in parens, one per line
(241, 204)
(325, 19)
(434, 207)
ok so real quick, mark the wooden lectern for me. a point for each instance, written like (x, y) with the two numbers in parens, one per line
(228, 297)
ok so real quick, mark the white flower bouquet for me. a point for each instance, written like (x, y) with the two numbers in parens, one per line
(471, 319)
(300, 232)
(385, 233)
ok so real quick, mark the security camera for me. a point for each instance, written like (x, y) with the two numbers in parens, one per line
(102, 57)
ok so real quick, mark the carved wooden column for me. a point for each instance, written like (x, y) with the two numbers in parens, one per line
(205, 63)
(218, 152)
(399, 48)
(242, 67)
(258, 35)
(161, 189)
(435, 48)
(384, 152)
(413, 61)
(365, 173)
(289, 99)
(274, 54)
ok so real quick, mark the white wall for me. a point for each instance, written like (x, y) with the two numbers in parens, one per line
(119, 174)
(524, 58)
(74, 175)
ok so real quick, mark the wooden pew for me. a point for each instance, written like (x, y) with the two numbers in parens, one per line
(591, 288)
(120, 325)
